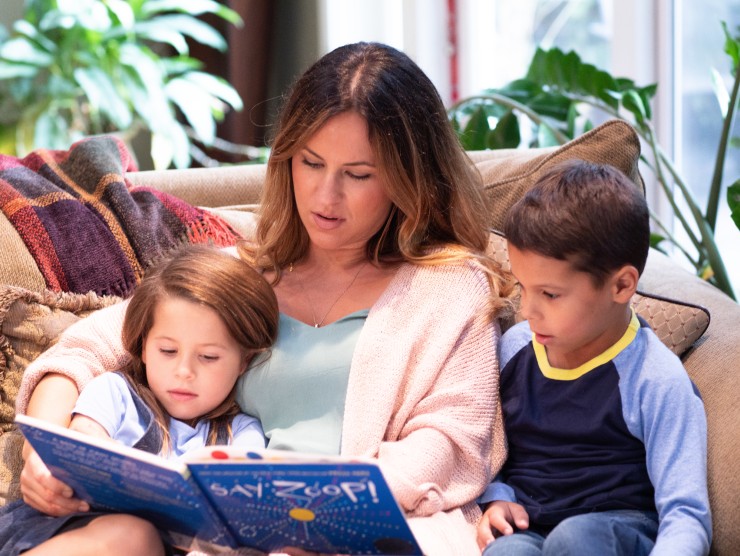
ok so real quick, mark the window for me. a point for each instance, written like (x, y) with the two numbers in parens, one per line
(469, 45)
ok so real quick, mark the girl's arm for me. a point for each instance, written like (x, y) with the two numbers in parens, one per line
(88, 426)
(50, 388)
(52, 400)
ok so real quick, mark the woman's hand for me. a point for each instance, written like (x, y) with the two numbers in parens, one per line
(501, 517)
(45, 493)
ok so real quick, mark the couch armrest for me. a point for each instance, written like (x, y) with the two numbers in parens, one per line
(714, 366)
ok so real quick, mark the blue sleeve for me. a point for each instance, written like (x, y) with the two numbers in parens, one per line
(247, 432)
(664, 410)
(511, 342)
(497, 490)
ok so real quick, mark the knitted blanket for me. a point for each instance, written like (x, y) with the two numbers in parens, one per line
(87, 227)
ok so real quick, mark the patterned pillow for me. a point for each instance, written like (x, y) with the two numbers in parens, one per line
(30, 322)
(676, 323)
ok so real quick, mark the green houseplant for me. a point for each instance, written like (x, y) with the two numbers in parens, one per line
(555, 102)
(72, 68)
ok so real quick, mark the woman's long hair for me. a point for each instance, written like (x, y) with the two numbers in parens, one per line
(241, 297)
(439, 211)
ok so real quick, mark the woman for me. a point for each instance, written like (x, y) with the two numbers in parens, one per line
(371, 233)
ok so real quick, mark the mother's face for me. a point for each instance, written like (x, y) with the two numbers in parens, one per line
(341, 199)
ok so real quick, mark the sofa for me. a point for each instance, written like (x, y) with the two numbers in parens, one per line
(696, 320)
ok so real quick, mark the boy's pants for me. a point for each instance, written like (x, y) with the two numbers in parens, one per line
(610, 533)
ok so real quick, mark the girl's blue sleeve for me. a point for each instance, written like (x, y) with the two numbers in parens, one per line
(247, 432)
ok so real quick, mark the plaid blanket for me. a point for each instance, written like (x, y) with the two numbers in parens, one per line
(84, 224)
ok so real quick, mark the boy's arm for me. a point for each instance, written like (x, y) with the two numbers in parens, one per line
(674, 431)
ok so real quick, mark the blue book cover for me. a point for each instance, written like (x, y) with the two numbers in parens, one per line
(272, 499)
(114, 478)
(224, 496)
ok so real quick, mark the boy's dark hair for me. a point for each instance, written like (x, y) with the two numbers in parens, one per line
(591, 215)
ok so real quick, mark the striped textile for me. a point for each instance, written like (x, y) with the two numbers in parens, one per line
(86, 226)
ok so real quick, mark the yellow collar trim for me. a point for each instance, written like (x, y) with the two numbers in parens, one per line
(572, 374)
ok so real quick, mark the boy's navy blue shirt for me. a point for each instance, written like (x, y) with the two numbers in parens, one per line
(626, 430)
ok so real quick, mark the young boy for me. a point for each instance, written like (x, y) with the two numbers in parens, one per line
(606, 432)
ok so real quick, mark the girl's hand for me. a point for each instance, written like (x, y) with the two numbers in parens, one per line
(45, 493)
(501, 517)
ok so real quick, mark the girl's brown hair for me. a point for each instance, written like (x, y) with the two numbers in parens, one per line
(438, 210)
(240, 296)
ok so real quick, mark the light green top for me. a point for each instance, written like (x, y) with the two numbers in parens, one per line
(298, 390)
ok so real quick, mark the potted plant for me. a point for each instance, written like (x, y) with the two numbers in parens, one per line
(74, 68)
(545, 108)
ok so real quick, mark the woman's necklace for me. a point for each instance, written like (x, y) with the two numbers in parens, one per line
(318, 323)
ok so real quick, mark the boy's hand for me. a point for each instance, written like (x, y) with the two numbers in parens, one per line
(45, 493)
(501, 517)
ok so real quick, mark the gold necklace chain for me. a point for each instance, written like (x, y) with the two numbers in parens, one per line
(317, 324)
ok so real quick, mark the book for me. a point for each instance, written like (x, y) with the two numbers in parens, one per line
(225, 497)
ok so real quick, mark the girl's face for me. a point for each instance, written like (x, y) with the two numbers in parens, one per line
(192, 362)
(340, 197)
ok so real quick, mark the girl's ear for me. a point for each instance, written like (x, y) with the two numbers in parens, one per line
(246, 359)
(625, 283)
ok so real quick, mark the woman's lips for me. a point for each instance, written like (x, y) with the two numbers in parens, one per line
(326, 222)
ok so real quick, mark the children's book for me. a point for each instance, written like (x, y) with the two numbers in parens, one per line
(222, 497)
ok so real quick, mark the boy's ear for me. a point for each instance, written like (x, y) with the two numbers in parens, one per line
(625, 283)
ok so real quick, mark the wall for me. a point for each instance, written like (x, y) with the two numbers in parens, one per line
(10, 10)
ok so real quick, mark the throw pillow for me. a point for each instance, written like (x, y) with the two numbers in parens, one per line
(508, 173)
(676, 323)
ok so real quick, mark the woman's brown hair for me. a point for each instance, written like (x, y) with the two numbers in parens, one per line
(241, 297)
(438, 212)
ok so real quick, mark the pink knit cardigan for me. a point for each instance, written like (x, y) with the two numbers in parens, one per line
(422, 394)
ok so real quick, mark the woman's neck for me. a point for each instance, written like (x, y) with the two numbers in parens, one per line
(337, 260)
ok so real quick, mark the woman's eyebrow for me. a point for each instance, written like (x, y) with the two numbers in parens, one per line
(356, 163)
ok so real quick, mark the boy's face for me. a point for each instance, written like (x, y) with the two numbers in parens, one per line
(569, 315)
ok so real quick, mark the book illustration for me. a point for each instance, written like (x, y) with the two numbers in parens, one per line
(225, 496)
(298, 500)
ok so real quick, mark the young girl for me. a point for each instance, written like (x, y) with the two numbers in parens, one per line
(191, 327)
